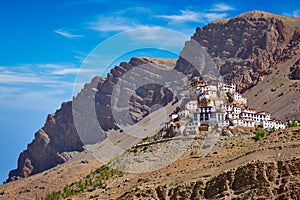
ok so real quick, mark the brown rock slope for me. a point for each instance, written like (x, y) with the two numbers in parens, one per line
(247, 47)
(269, 169)
(53, 144)
(58, 140)
(237, 168)
(277, 93)
(53, 179)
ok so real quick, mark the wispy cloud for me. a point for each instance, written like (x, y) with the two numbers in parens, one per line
(52, 66)
(214, 16)
(191, 16)
(217, 11)
(68, 34)
(9, 77)
(67, 71)
(184, 16)
(221, 7)
(57, 69)
(110, 24)
(136, 10)
(29, 99)
(294, 13)
(40, 73)
(36, 86)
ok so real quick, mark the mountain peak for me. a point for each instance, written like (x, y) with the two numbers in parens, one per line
(259, 14)
(291, 22)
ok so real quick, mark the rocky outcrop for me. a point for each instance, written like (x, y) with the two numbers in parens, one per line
(258, 180)
(142, 99)
(247, 47)
(50, 144)
(295, 71)
(58, 139)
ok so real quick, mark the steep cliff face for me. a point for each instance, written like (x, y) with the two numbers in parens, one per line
(50, 145)
(247, 47)
(295, 71)
(258, 180)
(58, 140)
(142, 99)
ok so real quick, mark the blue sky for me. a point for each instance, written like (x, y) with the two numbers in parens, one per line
(43, 43)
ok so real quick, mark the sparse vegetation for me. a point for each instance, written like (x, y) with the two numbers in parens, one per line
(293, 85)
(272, 130)
(145, 148)
(227, 145)
(259, 134)
(145, 139)
(95, 180)
(293, 123)
(193, 153)
(242, 143)
(281, 94)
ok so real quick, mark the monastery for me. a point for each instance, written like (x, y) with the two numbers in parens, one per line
(217, 105)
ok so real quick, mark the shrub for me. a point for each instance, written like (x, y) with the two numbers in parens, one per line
(259, 134)
(96, 179)
(272, 130)
(293, 123)
(193, 153)
(281, 94)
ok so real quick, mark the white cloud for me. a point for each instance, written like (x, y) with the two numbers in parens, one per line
(36, 87)
(184, 16)
(29, 99)
(294, 13)
(51, 66)
(109, 24)
(137, 10)
(67, 71)
(67, 34)
(214, 16)
(221, 7)
(191, 16)
(15, 77)
(45, 74)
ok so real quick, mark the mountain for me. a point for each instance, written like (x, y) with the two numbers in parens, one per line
(247, 49)
(269, 169)
(238, 167)
(278, 92)
(58, 141)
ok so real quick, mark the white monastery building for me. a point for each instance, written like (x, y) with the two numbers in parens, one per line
(228, 109)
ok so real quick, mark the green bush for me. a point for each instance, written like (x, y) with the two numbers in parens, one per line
(293, 123)
(259, 134)
(272, 130)
(96, 179)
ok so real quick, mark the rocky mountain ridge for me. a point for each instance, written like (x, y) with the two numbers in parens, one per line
(256, 179)
(58, 140)
(245, 49)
